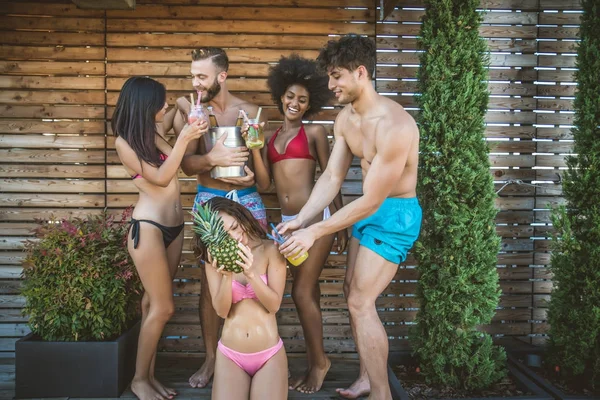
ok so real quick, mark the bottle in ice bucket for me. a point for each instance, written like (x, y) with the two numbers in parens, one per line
(212, 118)
(197, 113)
(296, 260)
(240, 119)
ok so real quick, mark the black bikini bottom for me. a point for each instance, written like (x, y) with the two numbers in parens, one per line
(169, 233)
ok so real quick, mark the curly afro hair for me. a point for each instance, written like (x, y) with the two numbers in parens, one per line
(295, 70)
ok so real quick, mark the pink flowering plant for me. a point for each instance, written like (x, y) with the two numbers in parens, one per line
(79, 280)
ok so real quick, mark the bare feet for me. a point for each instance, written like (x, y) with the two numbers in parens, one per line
(162, 389)
(361, 387)
(294, 382)
(314, 378)
(144, 390)
(202, 377)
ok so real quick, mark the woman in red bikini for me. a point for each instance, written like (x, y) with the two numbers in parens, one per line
(291, 157)
(156, 235)
(251, 361)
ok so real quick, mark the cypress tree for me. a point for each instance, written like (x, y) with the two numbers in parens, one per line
(457, 253)
(574, 313)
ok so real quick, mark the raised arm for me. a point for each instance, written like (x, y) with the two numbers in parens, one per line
(160, 176)
(167, 123)
(270, 294)
(262, 167)
(219, 285)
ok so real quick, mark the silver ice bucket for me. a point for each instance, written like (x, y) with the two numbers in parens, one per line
(234, 139)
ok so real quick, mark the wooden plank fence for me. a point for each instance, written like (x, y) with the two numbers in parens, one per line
(61, 69)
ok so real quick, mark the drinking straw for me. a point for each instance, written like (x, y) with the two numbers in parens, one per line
(246, 119)
(192, 98)
(274, 238)
(199, 98)
(277, 233)
(258, 113)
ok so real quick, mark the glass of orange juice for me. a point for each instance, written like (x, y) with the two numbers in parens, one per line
(298, 259)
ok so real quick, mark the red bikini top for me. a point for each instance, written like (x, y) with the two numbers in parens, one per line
(239, 291)
(296, 148)
(162, 157)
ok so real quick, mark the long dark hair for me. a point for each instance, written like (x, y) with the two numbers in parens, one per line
(241, 214)
(134, 119)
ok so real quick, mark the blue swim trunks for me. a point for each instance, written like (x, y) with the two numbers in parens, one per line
(392, 230)
(247, 197)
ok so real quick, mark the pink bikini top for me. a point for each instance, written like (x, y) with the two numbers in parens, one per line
(239, 291)
(162, 157)
(296, 148)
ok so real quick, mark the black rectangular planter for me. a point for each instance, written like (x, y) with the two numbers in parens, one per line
(75, 369)
(398, 392)
(555, 392)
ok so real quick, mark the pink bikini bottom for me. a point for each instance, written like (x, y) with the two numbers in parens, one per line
(250, 362)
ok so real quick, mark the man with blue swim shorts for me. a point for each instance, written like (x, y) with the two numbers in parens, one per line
(209, 77)
(386, 218)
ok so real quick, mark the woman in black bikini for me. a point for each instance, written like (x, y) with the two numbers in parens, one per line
(156, 235)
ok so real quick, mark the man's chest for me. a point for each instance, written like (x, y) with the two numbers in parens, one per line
(227, 117)
(360, 138)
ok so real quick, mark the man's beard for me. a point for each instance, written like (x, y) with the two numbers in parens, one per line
(212, 91)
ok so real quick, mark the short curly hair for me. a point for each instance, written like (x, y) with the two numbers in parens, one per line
(349, 52)
(296, 70)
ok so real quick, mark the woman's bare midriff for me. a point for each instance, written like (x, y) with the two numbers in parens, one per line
(249, 328)
(161, 205)
(294, 181)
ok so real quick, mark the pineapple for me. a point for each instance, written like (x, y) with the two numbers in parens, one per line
(209, 227)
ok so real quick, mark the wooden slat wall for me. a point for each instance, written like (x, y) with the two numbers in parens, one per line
(61, 70)
(532, 53)
(52, 132)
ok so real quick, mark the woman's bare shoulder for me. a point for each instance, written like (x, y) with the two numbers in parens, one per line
(269, 245)
(315, 129)
(122, 145)
(271, 250)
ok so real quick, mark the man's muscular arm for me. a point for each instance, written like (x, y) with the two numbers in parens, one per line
(392, 145)
(330, 182)
(386, 169)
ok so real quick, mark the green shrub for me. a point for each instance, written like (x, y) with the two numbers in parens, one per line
(574, 313)
(79, 281)
(457, 253)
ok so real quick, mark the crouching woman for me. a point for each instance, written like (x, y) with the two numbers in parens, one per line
(251, 362)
